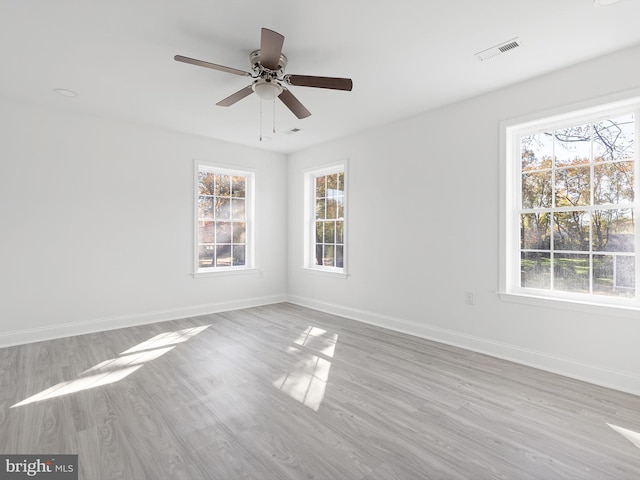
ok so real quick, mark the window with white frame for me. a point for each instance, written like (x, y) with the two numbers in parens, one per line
(224, 221)
(326, 226)
(571, 207)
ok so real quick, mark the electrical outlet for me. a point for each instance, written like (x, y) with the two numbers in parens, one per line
(469, 298)
(260, 273)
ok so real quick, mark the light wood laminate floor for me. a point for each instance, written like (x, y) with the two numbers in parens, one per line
(284, 392)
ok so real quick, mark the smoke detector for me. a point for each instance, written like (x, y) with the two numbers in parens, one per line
(499, 49)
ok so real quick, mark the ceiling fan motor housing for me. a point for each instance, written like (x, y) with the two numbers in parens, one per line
(261, 71)
(268, 85)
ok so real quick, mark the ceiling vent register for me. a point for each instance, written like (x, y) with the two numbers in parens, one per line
(498, 49)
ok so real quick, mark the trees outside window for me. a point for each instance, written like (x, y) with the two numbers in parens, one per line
(224, 219)
(575, 208)
(326, 219)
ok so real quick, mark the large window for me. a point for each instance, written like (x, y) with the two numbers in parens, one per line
(326, 225)
(571, 215)
(224, 219)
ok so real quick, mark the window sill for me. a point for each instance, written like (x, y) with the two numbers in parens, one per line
(628, 311)
(326, 273)
(227, 272)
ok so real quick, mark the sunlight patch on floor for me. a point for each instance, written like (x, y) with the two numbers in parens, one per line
(307, 382)
(167, 338)
(633, 437)
(84, 383)
(115, 369)
(127, 360)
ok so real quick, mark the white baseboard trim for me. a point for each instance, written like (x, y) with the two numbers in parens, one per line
(52, 332)
(615, 379)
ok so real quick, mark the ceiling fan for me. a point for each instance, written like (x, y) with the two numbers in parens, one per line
(268, 65)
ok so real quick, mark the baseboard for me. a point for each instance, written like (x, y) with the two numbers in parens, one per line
(597, 375)
(21, 337)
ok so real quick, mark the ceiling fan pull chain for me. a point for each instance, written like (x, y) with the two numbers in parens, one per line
(260, 119)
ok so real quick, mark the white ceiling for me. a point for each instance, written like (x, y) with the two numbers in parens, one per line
(405, 57)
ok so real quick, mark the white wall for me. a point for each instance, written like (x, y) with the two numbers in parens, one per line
(96, 222)
(416, 248)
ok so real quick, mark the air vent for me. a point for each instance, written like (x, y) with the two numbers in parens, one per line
(498, 49)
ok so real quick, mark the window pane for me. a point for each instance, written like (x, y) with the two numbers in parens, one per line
(339, 256)
(339, 235)
(341, 182)
(340, 201)
(318, 254)
(571, 272)
(625, 270)
(613, 230)
(238, 187)
(614, 139)
(329, 232)
(223, 232)
(205, 208)
(239, 232)
(573, 186)
(205, 256)
(223, 185)
(535, 270)
(328, 259)
(535, 231)
(573, 145)
(205, 183)
(222, 208)
(223, 256)
(536, 151)
(332, 208)
(536, 189)
(614, 275)
(320, 208)
(205, 232)
(321, 187)
(319, 232)
(613, 183)
(239, 255)
(571, 231)
(238, 208)
(332, 185)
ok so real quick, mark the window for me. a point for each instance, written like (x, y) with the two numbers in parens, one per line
(571, 229)
(223, 219)
(326, 227)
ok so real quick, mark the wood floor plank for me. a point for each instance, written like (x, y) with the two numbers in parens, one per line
(284, 392)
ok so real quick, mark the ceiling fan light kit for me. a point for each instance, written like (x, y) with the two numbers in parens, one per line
(267, 90)
(270, 82)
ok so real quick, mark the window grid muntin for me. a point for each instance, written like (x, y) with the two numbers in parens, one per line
(237, 219)
(553, 252)
(321, 219)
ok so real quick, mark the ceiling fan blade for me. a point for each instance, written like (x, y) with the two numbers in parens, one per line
(201, 63)
(270, 48)
(294, 104)
(319, 82)
(239, 95)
